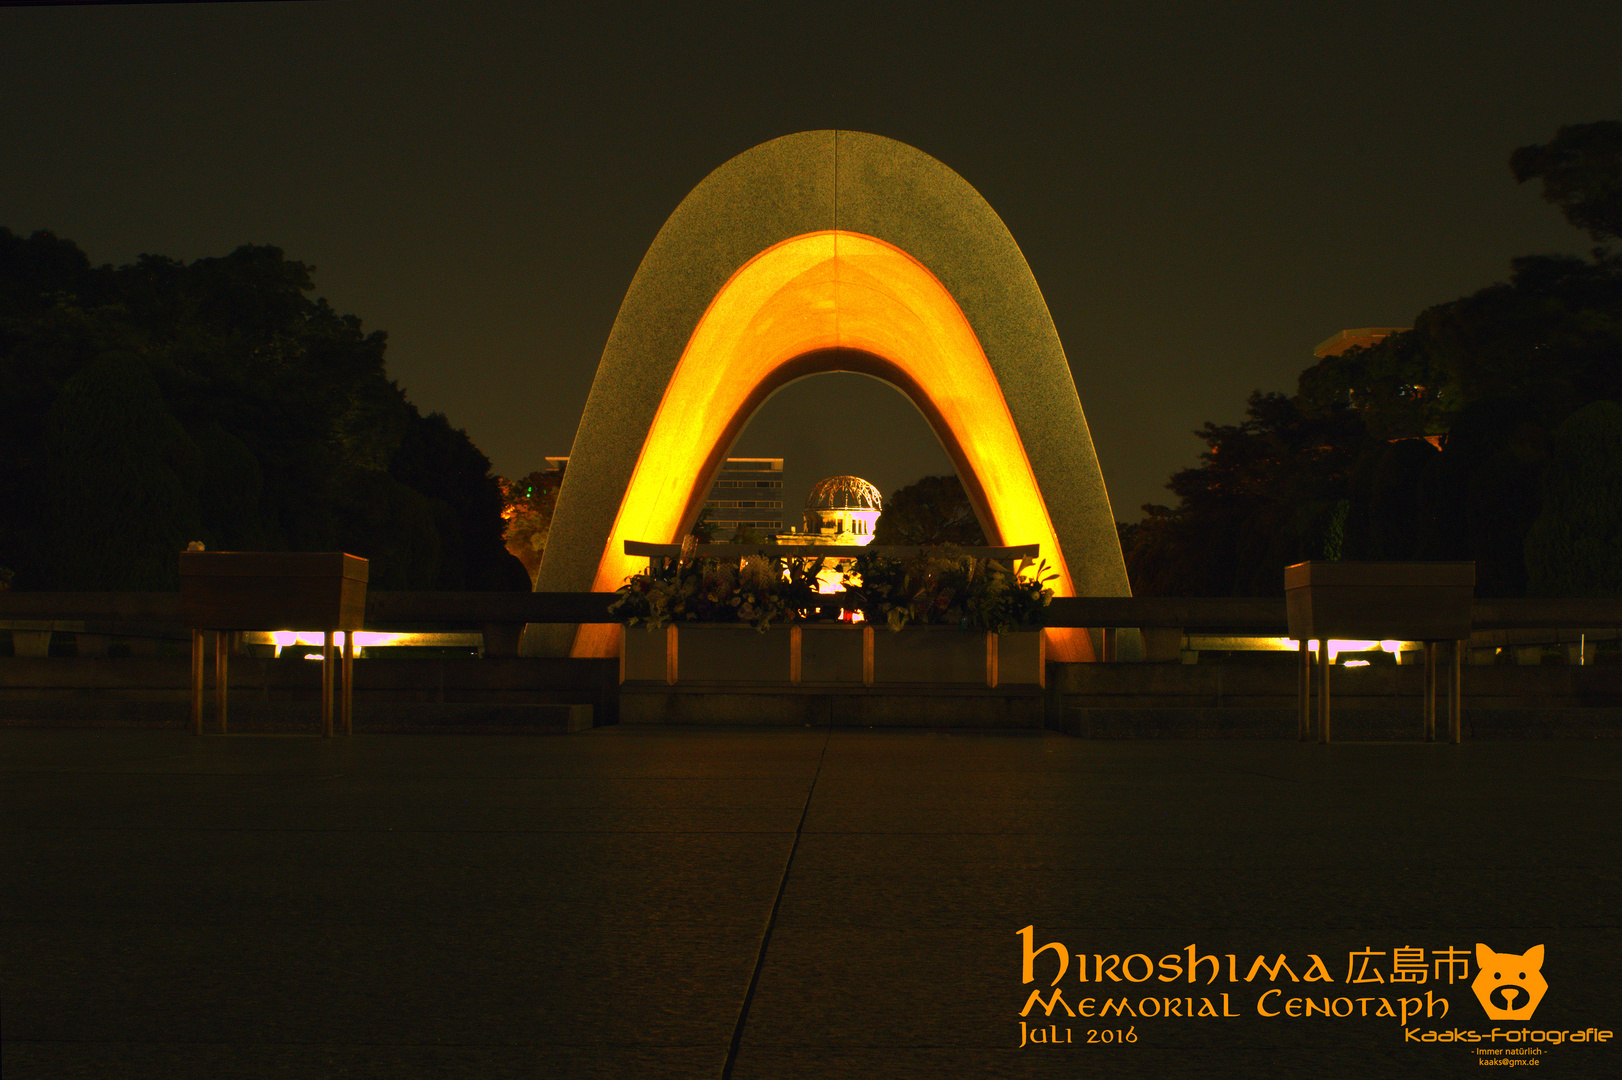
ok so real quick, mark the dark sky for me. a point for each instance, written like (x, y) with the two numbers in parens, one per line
(1204, 191)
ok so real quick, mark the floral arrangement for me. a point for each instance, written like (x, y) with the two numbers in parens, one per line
(755, 590)
(942, 587)
(947, 587)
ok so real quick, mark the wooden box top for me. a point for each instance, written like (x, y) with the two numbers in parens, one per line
(1381, 575)
(273, 564)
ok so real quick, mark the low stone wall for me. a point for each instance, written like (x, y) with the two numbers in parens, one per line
(895, 705)
(1258, 700)
(1350, 725)
(1128, 700)
(390, 694)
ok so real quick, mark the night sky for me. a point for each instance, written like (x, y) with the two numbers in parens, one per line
(1204, 191)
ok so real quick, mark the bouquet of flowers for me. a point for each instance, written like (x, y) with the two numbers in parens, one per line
(756, 589)
(946, 587)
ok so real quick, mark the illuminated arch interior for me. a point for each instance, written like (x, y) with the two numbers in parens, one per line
(829, 301)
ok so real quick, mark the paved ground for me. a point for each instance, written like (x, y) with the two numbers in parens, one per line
(785, 904)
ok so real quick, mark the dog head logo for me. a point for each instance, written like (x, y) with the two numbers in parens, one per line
(1509, 986)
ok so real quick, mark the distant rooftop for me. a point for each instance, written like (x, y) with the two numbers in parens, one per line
(843, 493)
(1346, 339)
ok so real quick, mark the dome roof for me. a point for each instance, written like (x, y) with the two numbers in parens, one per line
(843, 493)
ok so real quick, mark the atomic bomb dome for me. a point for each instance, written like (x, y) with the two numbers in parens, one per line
(839, 510)
(843, 493)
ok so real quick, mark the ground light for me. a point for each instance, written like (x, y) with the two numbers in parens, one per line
(364, 639)
(1338, 646)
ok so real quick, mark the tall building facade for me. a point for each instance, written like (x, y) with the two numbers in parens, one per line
(748, 494)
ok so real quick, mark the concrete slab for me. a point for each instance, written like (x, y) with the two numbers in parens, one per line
(787, 902)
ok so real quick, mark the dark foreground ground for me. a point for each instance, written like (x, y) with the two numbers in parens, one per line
(635, 902)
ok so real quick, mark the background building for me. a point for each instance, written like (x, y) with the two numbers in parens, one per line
(1367, 337)
(748, 494)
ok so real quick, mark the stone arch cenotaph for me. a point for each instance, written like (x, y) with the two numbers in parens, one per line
(816, 252)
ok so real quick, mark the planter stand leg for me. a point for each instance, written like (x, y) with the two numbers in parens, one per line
(326, 683)
(1455, 693)
(1303, 691)
(349, 683)
(1430, 691)
(197, 654)
(222, 682)
(1323, 690)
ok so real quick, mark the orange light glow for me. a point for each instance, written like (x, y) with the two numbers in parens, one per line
(829, 301)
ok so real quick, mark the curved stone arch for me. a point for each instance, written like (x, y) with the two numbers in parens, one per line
(824, 251)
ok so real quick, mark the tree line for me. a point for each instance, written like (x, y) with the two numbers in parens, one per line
(152, 405)
(159, 403)
(1490, 431)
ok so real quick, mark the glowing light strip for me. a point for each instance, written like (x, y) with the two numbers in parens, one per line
(775, 321)
(364, 639)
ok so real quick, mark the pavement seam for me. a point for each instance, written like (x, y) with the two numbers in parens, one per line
(771, 920)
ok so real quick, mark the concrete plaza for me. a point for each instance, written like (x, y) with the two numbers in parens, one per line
(648, 902)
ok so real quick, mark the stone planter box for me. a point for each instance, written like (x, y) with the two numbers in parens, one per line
(831, 653)
(1409, 601)
(643, 653)
(722, 653)
(1414, 601)
(706, 652)
(1022, 658)
(272, 590)
(835, 653)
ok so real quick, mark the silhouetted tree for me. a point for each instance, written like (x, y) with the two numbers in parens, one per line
(527, 509)
(933, 510)
(1344, 469)
(1384, 513)
(1581, 170)
(231, 408)
(118, 485)
(1264, 497)
(442, 463)
(1574, 548)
